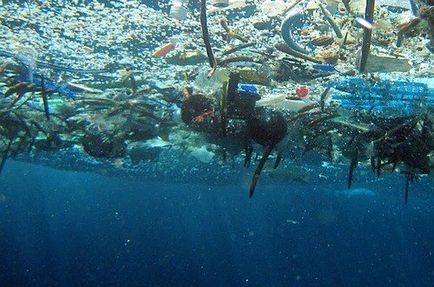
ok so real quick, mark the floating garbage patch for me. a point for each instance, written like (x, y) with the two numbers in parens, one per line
(221, 90)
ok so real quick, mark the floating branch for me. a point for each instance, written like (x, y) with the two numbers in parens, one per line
(354, 158)
(205, 34)
(409, 178)
(259, 168)
(45, 99)
(290, 6)
(323, 98)
(367, 35)
(347, 6)
(231, 33)
(237, 48)
(414, 7)
(285, 49)
(329, 18)
(5, 156)
(235, 59)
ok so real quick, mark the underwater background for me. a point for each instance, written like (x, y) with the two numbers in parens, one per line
(61, 228)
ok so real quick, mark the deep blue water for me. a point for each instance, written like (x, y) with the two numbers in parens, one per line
(61, 228)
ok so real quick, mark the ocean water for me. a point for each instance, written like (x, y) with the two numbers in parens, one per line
(61, 228)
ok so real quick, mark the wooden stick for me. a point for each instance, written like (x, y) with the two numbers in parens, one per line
(259, 168)
(287, 50)
(205, 35)
(332, 22)
(237, 48)
(367, 35)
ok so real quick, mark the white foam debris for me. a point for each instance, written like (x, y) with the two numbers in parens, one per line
(157, 142)
(126, 33)
(202, 154)
(91, 36)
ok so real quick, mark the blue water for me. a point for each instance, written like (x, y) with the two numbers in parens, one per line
(61, 228)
